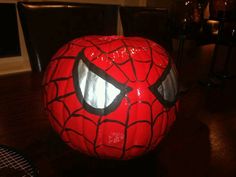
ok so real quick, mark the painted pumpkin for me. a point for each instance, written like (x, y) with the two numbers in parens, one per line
(111, 96)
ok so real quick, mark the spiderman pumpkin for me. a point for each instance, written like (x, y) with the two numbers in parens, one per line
(111, 96)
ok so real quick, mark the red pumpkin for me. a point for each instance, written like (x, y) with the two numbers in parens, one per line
(111, 96)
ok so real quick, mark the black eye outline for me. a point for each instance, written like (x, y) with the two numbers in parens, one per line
(159, 82)
(99, 72)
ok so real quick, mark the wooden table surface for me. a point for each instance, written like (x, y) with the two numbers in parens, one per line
(24, 125)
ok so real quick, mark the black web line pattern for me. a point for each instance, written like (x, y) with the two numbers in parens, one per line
(130, 59)
(75, 114)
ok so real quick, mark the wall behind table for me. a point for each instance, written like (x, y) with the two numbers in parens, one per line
(16, 63)
(10, 65)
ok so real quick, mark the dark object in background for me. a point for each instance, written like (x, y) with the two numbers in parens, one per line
(148, 22)
(222, 9)
(186, 18)
(49, 25)
(9, 37)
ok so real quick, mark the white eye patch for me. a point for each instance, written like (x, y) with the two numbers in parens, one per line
(166, 88)
(96, 92)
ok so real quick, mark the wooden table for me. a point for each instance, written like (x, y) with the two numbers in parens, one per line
(184, 152)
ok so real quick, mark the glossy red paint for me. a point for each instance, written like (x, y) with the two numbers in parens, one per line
(138, 117)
